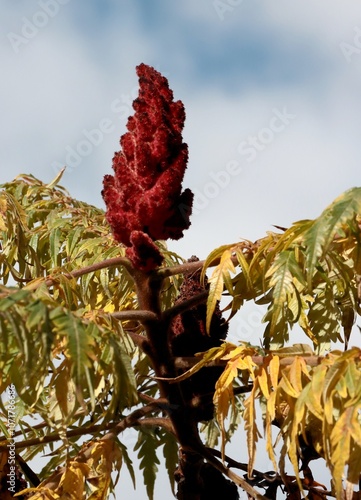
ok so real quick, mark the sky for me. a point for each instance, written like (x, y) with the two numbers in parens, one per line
(271, 92)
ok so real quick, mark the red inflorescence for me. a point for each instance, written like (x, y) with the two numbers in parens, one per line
(144, 198)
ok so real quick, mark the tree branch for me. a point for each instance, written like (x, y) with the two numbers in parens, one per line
(242, 466)
(200, 298)
(187, 362)
(138, 340)
(133, 418)
(27, 470)
(135, 315)
(115, 261)
(186, 268)
(311, 360)
(211, 459)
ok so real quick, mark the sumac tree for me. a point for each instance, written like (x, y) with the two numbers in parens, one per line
(103, 328)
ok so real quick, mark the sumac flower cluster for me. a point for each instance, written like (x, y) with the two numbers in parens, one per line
(145, 193)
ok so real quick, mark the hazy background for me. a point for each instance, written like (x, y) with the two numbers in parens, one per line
(271, 91)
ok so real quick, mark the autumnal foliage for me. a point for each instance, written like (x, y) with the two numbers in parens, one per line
(103, 328)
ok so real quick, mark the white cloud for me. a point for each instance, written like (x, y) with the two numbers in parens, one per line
(58, 86)
(327, 20)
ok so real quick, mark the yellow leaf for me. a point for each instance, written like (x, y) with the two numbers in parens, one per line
(340, 442)
(287, 386)
(242, 350)
(222, 401)
(71, 484)
(214, 255)
(3, 208)
(274, 369)
(216, 284)
(57, 178)
(39, 493)
(296, 370)
(292, 433)
(104, 453)
(315, 395)
(65, 390)
(34, 284)
(270, 416)
(251, 429)
(245, 267)
(263, 381)
(109, 308)
(211, 355)
(227, 377)
(355, 428)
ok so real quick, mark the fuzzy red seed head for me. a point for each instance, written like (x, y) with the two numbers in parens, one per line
(145, 194)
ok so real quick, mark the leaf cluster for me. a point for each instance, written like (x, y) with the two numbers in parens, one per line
(307, 275)
(74, 365)
(76, 333)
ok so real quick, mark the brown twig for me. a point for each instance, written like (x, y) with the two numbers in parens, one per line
(311, 360)
(115, 261)
(136, 315)
(134, 418)
(186, 268)
(211, 459)
(187, 362)
(28, 472)
(200, 298)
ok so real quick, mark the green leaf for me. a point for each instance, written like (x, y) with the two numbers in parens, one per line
(55, 244)
(128, 461)
(89, 247)
(170, 453)
(324, 318)
(245, 268)
(216, 254)
(72, 240)
(65, 323)
(56, 179)
(147, 445)
(281, 279)
(124, 386)
(324, 229)
(12, 299)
